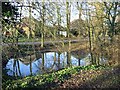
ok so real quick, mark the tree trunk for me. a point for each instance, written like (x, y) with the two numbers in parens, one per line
(68, 18)
(43, 22)
(30, 30)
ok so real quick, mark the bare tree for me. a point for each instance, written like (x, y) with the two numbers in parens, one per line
(111, 9)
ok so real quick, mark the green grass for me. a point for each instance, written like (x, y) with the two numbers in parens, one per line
(43, 81)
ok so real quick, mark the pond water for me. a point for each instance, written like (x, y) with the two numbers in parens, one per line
(51, 61)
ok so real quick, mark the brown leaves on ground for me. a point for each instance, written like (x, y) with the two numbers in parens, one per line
(108, 78)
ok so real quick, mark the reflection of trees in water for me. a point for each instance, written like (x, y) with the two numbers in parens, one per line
(43, 59)
(63, 63)
(79, 62)
(16, 61)
(68, 59)
(19, 67)
(30, 65)
(59, 60)
(54, 62)
(16, 68)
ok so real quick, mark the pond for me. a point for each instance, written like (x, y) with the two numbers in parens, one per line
(48, 62)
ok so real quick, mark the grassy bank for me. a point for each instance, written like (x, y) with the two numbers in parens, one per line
(60, 78)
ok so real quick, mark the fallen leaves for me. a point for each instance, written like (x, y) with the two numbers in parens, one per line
(93, 79)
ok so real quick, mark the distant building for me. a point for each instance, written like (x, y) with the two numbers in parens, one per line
(61, 30)
(27, 27)
(64, 33)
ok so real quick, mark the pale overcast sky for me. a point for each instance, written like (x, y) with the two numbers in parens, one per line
(74, 12)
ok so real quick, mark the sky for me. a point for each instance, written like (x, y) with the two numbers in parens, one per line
(74, 13)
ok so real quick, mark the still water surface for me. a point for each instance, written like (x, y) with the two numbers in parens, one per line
(52, 61)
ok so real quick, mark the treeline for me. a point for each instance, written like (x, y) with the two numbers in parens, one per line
(98, 21)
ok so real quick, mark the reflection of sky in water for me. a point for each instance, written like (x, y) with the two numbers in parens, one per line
(23, 68)
(48, 63)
